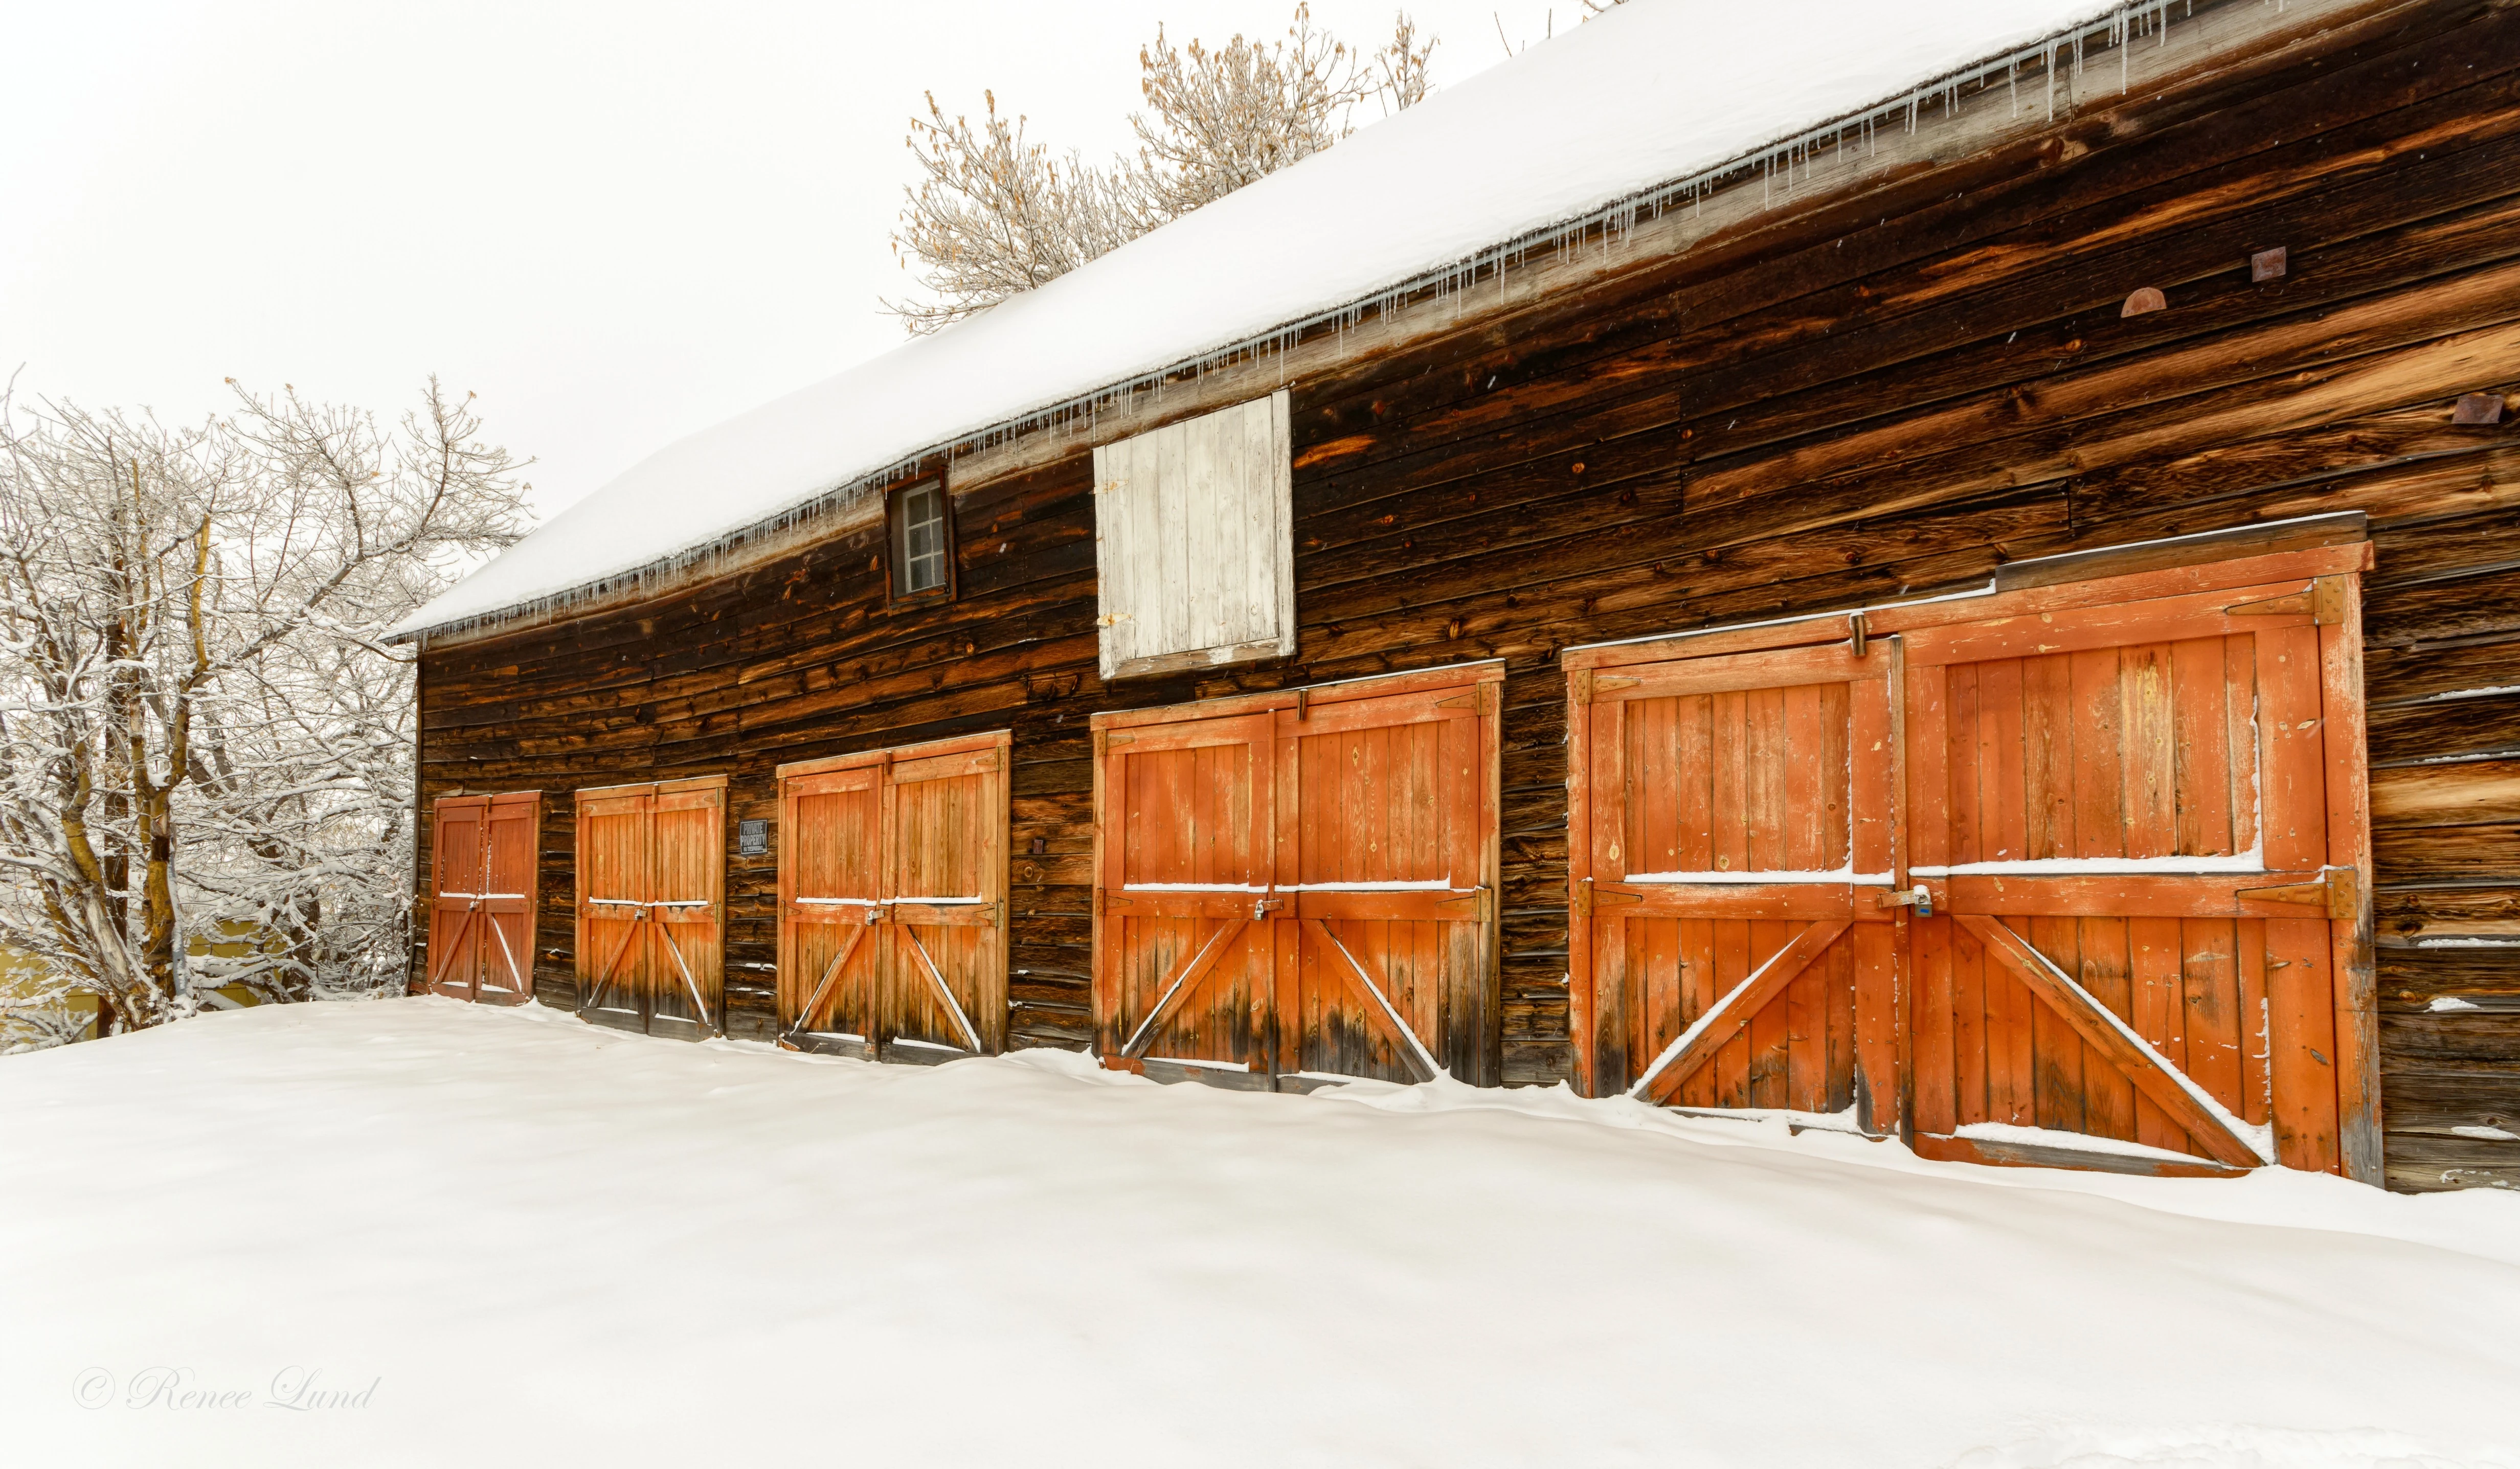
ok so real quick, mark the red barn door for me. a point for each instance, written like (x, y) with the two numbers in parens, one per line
(650, 906)
(2133, 806)
(482, 897)
(2125, 810)
(1297, 888)
(1738, 824)
(892, 873)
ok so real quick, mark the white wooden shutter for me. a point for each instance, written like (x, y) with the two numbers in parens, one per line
(1194, 542)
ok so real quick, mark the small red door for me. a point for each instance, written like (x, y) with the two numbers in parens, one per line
(892, 873)
(484, 885)
(651, 906)
(1736, 814)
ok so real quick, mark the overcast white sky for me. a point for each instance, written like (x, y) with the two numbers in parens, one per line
(618, 224)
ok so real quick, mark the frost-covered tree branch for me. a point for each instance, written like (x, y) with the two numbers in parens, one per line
(205, 768)
(994, 215)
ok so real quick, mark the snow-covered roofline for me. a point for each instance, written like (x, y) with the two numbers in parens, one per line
(1654, 105)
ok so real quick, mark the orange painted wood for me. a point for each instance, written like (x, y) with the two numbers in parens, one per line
(1450, 682)
(1785, 668)
(2156, 997)
(1699, 767)
(1948, 1149)
(2348, 845)
(1583, 818)
(2146, 1069)
(1871, 955)
(2108, 1097)
(456, 872)
(1612, 1067)
(2056, 1049)
(2098, 774)
(2195, 614)
(511, 836)
(2294, 785)
(2301, 1014)
(1973, 1051)
(2211, 970)
(2246, 578)
(2201, 896)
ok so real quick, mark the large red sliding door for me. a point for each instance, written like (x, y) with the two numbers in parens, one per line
(1296, 888)
(2101, 891)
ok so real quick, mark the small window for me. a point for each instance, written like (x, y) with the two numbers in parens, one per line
(918, 540)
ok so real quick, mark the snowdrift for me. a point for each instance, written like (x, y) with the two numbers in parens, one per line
(503, 1237)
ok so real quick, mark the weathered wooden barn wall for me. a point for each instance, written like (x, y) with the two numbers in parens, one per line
(1854, 399)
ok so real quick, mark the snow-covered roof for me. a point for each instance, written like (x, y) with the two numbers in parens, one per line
(1653, 92)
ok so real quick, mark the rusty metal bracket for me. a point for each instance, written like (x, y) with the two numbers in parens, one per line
(2323, 601)
(1585, 899)
(2338, 890)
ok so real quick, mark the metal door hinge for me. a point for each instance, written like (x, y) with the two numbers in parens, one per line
(2338, 890)
(2323, 600)
(1584, 899)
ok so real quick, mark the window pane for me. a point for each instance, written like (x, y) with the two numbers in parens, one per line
(918, 546)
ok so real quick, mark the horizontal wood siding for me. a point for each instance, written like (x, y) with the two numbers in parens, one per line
(1851, 399)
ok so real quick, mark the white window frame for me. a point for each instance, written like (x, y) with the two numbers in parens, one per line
(899, 529)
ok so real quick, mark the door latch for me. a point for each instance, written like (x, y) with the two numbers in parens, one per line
(1261, 908)
(1920, 898)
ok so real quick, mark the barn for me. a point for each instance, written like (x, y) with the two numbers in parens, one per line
(1952, 574)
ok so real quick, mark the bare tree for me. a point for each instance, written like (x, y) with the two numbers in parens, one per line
(204, 747)
(994, 215)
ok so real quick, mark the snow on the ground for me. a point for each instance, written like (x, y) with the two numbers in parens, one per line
(502, 1237)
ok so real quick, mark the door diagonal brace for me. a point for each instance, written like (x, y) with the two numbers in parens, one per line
(1420, 1060)
(691, 986)
(2165, 1085)
(1184, 981)
(831, 972)
(1713, 1031)
(441, 955)
(936, 981)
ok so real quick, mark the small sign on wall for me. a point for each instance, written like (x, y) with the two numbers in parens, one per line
(752, 838)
